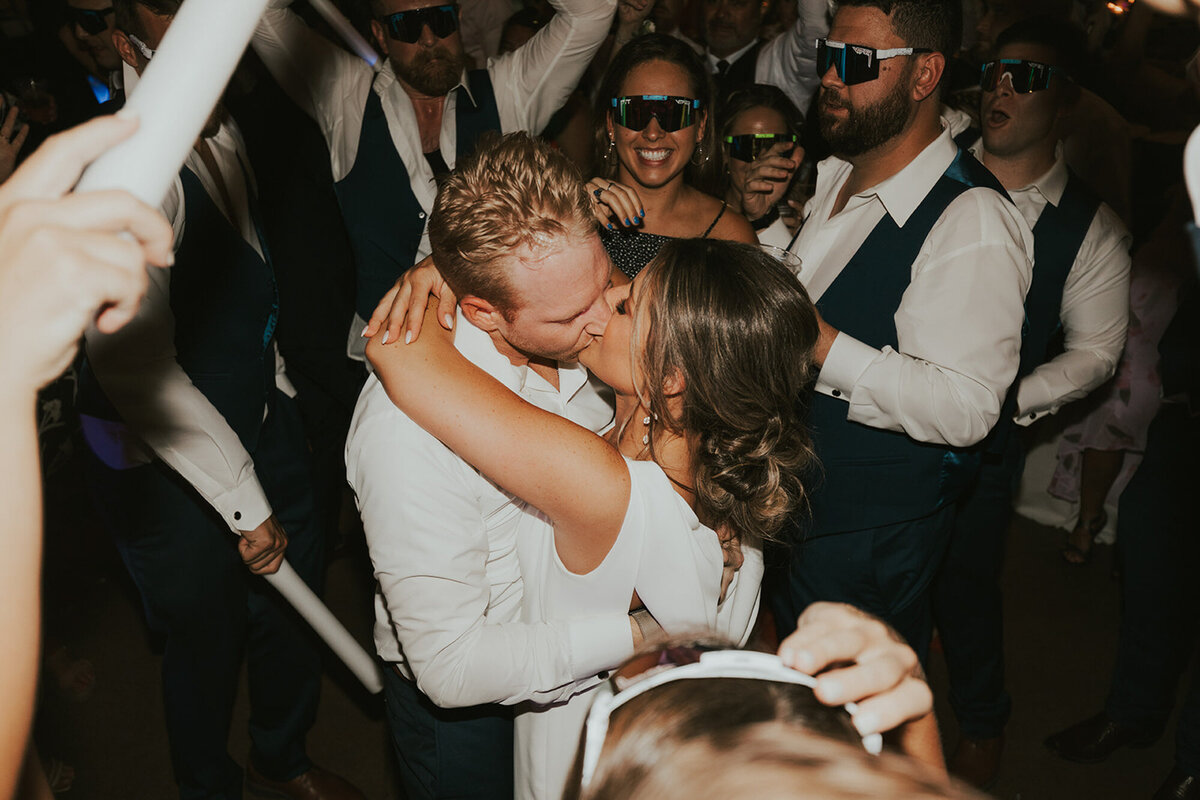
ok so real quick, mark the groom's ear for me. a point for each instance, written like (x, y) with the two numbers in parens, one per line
(480, 313)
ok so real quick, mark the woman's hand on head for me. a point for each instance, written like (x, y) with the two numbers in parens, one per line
(615, 204)
(856, 657)
(403, 307)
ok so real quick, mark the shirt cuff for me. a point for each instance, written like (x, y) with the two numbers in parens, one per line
(847, 360)
(245, 506)
(598, 644)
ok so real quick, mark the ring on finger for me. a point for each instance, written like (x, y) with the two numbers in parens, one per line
(596, 193)
(609, 187)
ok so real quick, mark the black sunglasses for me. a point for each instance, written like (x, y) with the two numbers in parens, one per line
(856, 63)
(92, 21)
(673, 113)
(406, 26)
(749, 146)
(1026, 76)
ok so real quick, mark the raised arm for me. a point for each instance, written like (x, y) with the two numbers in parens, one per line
(533, 81)
(328, 83)
(573, 476)
(789, 61)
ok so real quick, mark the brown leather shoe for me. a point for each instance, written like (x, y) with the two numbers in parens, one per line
(977, 761)
(316, 784)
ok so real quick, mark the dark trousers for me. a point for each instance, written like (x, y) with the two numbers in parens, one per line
(448, 752)
(1158, 543)
(967, 602)
(885, 571)
(197, 593)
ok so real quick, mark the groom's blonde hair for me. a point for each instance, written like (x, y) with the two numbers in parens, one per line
(513, 190)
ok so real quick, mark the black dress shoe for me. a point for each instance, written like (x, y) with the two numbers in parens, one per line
(1095, 739)
(1179, 786)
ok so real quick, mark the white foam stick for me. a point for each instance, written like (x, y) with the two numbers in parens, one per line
(173, 99)
(349, 34)
(322, 620)
(175, 95)
(1191, 171)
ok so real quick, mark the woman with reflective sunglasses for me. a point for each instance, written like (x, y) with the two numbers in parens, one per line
(706, 352)
(656, 153)
(760, 138)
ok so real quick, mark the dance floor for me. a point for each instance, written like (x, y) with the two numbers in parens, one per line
(1061, 635)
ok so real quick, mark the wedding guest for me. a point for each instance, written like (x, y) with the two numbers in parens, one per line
(919, 264)
(393, 133)
(1080, 287)
(196, 436)
(657, 154)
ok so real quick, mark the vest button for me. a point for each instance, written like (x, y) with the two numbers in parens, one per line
(421, 215)
(836, 393)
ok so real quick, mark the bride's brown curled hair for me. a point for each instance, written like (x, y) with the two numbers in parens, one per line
(740, 331)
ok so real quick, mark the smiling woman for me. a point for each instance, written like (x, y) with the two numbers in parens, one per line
(657, 154)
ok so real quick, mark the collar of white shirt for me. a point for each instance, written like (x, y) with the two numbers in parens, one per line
(904, 191)
(478, 348)
(1050, 185)
(729, 59)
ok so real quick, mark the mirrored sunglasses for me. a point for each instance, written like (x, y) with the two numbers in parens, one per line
(91, 20)
(856, 63)
(1024, 76)
(682, 663)
(406, 26)
(749, 146)
(673, 113)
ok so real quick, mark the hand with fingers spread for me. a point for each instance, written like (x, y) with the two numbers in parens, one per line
(857, 657)
(12, 136)
(403, 307)
(615, 204)
(68, 261)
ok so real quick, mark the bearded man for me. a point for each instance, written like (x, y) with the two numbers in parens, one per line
(919, 264)
(394, 132)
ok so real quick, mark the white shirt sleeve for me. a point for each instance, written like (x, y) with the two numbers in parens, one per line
(534, 81)
(327, 82)
(789, 61)
(958, 329)
(137, 370)
(429, 547)
(1095, 318)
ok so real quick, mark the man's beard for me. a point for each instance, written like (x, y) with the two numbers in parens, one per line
(433, 72)
(864, 129)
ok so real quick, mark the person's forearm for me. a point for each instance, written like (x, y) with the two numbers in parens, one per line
(20, 575)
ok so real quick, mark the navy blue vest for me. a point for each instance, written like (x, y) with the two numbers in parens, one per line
(874, 477)
(383, 218)
(224, 302)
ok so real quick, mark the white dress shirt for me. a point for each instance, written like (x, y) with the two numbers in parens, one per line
(1095, 302)
(165, 414)
(959, 322)
(789, 61)
(443, 542)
